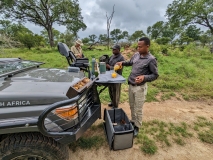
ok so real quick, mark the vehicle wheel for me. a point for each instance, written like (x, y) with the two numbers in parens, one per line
(32, 146)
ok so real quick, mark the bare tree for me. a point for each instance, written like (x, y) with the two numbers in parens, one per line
(109, 20)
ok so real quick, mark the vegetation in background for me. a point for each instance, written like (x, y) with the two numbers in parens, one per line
(45, 14)
(187, 73)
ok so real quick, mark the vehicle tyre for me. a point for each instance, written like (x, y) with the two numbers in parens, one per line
(32, 146)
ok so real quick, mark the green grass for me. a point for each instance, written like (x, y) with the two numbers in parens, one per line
(187, 72)
(153, 135)
(204, 128)
(87, 143)
(166, 134)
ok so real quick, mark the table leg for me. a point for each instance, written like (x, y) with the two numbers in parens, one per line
(116, 94)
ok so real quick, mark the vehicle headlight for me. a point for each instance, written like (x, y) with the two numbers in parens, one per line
(67, 112)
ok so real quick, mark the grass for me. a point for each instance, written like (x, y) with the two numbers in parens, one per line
(186, 72)
(87, 143)
(153, 135)
(204, 129)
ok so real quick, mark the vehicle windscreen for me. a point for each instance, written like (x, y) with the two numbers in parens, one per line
(9, 66)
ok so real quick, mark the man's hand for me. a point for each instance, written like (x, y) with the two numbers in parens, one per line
(107, 66)
(119, 63)
(78, 55)
(139, 79)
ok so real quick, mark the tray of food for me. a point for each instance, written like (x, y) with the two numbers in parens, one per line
(79, 87)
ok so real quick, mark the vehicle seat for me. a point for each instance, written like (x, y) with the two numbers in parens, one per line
(82, 63)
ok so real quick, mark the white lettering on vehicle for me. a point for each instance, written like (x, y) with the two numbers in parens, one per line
(15, 103)
(1, 104)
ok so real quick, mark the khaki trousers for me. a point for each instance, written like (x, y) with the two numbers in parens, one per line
(137, 97)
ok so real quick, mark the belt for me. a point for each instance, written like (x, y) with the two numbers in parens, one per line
(136, 84)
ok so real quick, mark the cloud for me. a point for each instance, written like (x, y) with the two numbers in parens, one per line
(130, 15)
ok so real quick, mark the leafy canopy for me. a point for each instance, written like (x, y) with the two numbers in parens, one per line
(45, 13)
(184, 12)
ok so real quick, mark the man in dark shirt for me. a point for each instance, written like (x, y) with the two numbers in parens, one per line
(144, 69)
(116, 57)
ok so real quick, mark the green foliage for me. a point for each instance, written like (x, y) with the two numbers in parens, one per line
(163, 40)
(102, 38)
(136, 35)
(116, 35)
(187, 72)
(45, 14)
(92, 38)
(85, 40)
(162, 32)
(27, 39)
(184, 12)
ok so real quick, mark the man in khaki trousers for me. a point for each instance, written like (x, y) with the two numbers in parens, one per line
(144, 69)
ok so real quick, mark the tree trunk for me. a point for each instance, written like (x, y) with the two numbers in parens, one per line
(108, 38)
(109, 19)
(50, 35)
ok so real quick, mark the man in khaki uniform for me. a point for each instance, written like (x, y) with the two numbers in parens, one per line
(144, 69)
(77, 50)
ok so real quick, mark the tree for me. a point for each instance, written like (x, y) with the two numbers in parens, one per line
(162, 31)
(85, 40)
(193, 32)
(136, 35)
(69, 38)
(109, 20)
(204, 39)
(39, 40)
(12, 29)
(102, 38)
(125, 35)
(116, 35)
(27, 39)
(156, 30)
(92, 38)
(184, 12)
(5, 26)
(45, 13)
(163, 40)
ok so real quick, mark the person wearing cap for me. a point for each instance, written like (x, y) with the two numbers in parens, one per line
(116, 57)
(77, 50)
(144, 69)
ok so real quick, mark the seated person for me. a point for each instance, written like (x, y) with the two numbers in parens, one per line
(77, 50)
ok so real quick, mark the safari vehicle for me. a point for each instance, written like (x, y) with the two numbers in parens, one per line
(42, 110)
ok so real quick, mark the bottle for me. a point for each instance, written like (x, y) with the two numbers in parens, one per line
(93, 65)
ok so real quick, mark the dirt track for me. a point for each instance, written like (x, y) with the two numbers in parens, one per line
(169, 111)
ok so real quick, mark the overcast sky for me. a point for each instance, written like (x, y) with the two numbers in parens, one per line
(130, 15)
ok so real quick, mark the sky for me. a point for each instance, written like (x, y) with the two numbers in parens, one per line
(129, 15)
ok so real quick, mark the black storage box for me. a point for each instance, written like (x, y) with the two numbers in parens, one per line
(119, 130)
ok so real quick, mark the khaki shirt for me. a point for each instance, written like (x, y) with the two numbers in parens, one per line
(77, 51)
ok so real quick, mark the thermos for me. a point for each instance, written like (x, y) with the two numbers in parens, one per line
(93, 65)
(102, 67)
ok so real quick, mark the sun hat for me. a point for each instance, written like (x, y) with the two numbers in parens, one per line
(79, 42)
